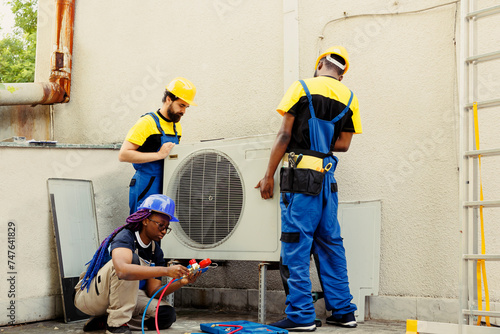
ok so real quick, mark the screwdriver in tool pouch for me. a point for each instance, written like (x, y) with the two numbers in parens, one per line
(291, 161)
(299, 158)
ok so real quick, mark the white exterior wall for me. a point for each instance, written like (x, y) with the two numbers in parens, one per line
(408, 145)
(25, 202)
(403, 70)
(128, 57)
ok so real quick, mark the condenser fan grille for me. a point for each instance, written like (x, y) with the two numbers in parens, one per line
(208, 194)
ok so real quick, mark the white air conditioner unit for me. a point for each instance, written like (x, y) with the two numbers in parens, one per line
(221, 214)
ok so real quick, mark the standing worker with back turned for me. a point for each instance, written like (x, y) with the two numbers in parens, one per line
(150, 140)
(320, 115)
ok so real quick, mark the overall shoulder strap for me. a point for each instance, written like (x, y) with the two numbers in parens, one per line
(309, 98)
(157, 121)
(346, 109)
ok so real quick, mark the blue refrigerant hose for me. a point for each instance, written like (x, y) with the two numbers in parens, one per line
(154, 295)
(151, 299)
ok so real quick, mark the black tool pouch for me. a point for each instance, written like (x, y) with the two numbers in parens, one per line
(301, 180)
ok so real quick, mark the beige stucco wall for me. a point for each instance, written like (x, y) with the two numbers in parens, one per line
(25, 202)
(127, 59)
(409, 143)
(403, 70)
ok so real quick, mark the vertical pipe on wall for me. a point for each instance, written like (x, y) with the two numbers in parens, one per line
(57, 89)
(290, 42)
(463, 76)
(61, 59)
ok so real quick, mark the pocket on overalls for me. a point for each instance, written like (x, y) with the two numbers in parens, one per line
(301, 180)
(290, 237)
(146, 190)
(286, 179)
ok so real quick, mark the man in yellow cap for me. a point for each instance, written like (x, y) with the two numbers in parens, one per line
(320, 116)
(150, 140)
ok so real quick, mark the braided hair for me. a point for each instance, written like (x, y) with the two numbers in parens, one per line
(102, 256)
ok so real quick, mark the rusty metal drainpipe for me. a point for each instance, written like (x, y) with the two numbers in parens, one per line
(57, 90)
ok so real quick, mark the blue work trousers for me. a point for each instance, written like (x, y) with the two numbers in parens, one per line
(309, 226)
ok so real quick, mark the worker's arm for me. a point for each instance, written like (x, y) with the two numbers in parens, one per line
(266, 184)
(129, 153)
(153, 284)
(343, 142)
(122, 262)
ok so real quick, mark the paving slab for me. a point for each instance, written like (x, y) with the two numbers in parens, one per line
(189, 320)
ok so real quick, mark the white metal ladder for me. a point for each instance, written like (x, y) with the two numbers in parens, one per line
(470, 201)
(470, 183)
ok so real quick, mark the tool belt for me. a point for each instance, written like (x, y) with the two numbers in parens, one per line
(307, 161)
(302, 174)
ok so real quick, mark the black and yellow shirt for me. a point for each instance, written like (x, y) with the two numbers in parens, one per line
(145, 133)
(329, 98)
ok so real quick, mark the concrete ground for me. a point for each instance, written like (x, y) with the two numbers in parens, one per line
(189, 320)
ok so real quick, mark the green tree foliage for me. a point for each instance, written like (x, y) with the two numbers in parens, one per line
(18, 49)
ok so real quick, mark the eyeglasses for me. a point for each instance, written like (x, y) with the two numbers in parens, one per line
(161, 227)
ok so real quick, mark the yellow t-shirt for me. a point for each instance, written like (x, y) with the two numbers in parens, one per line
(329, 98)
(145, 133)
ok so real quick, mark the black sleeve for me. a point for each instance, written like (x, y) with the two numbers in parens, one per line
(302, 104)
(348, 125)
(124, 239)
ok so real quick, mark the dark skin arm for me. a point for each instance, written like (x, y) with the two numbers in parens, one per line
(343, 142)
(266, 184)
(122, 262)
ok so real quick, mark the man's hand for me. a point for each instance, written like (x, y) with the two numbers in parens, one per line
(266, 186)
(176, 271)
(165, 150)
(129, 153)
(281, 142)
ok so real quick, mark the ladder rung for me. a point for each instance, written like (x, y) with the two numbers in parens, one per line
(484, 153)
(483, 313)
(484, 12)
(486, 257)
(483, 57)
(488, 103)
(482, 203)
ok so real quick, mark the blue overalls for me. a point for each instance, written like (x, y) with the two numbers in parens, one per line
(309, 225)
(148, 178)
